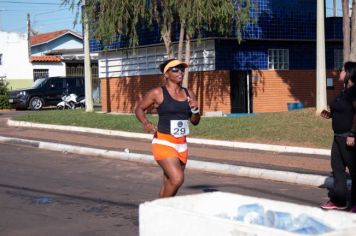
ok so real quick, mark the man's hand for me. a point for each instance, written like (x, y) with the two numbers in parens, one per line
(325, 114)
(350, 141)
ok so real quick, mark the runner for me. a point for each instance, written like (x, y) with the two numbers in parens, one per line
(175, 107)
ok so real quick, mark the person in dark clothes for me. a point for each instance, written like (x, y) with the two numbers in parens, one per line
(175, 107)
(343, 151)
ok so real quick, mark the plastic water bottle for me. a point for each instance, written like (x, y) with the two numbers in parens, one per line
(279, 220)
(305, 224)
(224, 216)
(251, 213)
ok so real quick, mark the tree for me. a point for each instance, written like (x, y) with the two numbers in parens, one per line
(346, 30)
(353, 32)
(4, 94)
(349, 30)
(110, 18)
(209, 15)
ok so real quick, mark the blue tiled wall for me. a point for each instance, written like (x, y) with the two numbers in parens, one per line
(333, 28)
(280, 24)
(282, 19)
(146, 36)
(254, 54)
(277, 19)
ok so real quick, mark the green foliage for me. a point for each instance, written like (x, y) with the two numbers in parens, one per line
(4, 95)
(4, 101)
(111, 17)
(108, 18)
(3, 88)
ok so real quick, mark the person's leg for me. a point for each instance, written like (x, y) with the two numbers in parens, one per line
(338, 193)
(165, 179)
(349, 155)
(173, 176)
(164, 182)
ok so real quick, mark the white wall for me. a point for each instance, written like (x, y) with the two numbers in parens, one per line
(146, 60)
(54, 69)
(15, 62)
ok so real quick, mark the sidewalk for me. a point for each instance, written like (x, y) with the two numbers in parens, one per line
(296, 165)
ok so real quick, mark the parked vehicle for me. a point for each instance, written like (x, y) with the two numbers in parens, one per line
(46, 92)
(71, 101)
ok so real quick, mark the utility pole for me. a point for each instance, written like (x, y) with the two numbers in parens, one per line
(87, 65)
(29, 51)
(0, 19)
(335, 8)
(321, 102)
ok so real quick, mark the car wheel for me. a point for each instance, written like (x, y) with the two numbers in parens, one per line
(36, 103)
(60, 107)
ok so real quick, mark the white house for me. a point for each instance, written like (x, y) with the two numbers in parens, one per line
(58, 53)
(15, 65)
(48, 52)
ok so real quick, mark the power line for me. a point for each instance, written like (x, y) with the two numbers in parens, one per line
(48, 12)
(32, 3)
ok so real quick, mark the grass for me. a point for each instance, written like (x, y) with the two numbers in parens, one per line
(296, 128)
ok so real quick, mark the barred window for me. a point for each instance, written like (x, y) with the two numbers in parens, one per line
(40, 73)
(338, 58)
(278, 59)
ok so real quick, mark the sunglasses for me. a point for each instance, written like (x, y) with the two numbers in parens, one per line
(177, 68)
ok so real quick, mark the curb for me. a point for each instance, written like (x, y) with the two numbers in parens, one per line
(241, 171)
(243, 145)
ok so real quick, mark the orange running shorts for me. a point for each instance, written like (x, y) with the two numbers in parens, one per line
(166, 146)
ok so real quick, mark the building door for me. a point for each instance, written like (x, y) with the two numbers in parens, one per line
(241, 90)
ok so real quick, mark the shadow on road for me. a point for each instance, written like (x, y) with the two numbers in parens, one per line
(82, 198)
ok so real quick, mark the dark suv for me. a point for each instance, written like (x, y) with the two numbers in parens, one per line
(46, 92)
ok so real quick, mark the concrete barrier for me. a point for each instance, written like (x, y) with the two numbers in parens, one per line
(213, 214)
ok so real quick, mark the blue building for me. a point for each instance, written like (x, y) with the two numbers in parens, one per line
(273, 66)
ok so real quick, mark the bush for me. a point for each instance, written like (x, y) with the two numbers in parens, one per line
(4, 95)
(4, 101)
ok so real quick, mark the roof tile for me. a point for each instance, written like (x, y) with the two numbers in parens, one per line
(43, 38)
(46, 59)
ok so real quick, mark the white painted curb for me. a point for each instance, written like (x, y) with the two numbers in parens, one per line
(244, 145)
(282, 176)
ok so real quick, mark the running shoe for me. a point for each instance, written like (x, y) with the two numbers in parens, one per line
(332, 206)
(353, 209)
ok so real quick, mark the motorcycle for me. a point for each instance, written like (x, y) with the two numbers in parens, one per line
(71, 101)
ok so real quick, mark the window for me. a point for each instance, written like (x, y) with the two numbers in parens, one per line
(278, 59)
(40, 73)
(338, 58)
(0, 59)
(71, 82)
(57, 83)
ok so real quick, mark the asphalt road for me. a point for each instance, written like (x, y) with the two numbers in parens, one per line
(53, 193)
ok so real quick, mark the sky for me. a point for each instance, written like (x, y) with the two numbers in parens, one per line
(46, 16)
(50, 15)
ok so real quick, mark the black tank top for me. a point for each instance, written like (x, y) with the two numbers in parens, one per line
(171, 109)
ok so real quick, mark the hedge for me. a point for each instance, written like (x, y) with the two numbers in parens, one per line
(4, 101)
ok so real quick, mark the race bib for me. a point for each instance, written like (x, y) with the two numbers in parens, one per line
(179, 128)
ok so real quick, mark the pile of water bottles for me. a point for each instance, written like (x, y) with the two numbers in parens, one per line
(300, 224)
